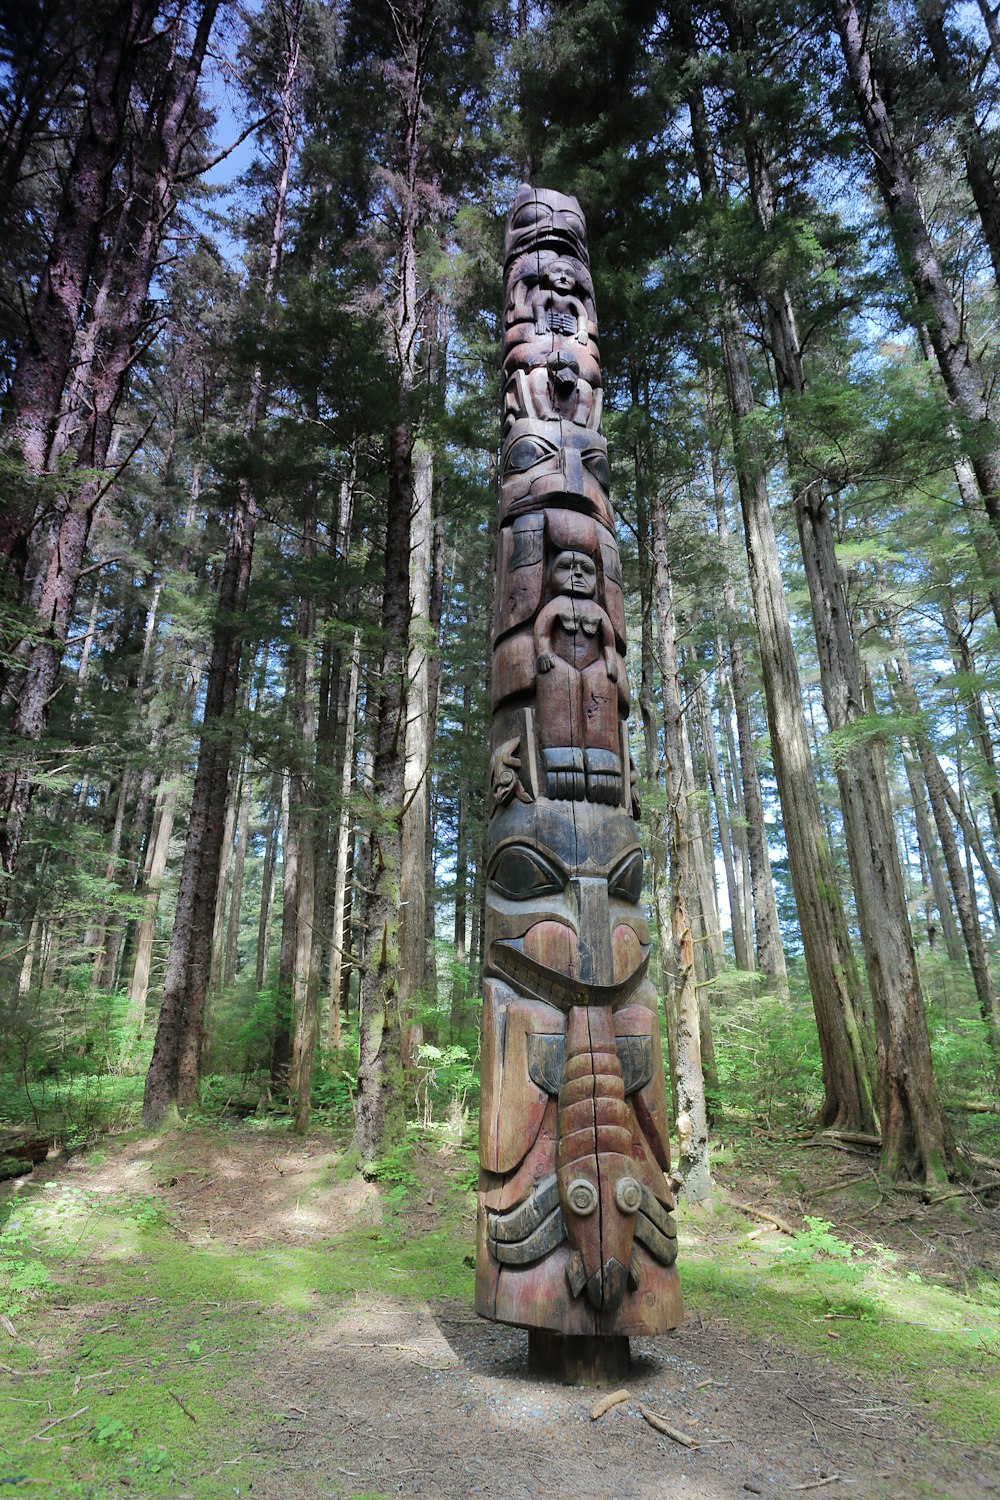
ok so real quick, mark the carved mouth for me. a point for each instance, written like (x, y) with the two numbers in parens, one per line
(543, 983)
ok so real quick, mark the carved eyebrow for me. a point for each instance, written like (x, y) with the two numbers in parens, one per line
(520, 847)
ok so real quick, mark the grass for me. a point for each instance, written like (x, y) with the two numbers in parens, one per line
(131, 1338)
(865, 1313)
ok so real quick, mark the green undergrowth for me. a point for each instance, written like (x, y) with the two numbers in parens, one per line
(130, 1337)
(919, 1342)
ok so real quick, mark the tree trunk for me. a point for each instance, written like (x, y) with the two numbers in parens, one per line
(55, 556)
(717, 793)
(379, 1059)
(378, 1098)
(964, 895)
(302, 804)
(239, 870)
(915, 1135)
(769, 950)
(692, 1123)
(459, 985)
(654, 815)
(416, 779)
(157, 851)
(930, 857)
(44, 360)
(267, 883)
(173, 1071)
(965, 668)
(221, 902)
(962, 109)
(833, 979)
(339, 935)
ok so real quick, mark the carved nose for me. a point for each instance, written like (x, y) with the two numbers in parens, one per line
(596, 957)
(572, 467)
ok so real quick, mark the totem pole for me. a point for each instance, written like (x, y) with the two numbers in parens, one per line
(576, 1241)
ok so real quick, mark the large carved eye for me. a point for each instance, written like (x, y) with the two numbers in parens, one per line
(597, 462)
(520, 873)
(525, 454)
(626, 880)
(530, 213)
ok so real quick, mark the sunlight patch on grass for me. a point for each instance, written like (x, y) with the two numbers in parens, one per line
(821, 1296)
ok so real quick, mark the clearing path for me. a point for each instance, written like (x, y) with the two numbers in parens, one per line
(221, 1314)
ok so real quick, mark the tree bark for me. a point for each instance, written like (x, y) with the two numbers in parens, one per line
(378, 1098)
(770, 953)
(173, 1071)
(964, 895)
(339, 934)
(978, 161)
(837, 996)
(716, 790)
(305, 994)
(916, 1140)
(692, 1122)
(267, 883)
(416, 777)
(930, 857)
(51, 546)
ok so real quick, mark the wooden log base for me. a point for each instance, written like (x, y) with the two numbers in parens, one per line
(578, 1359)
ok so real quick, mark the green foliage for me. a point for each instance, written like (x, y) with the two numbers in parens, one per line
(23, 1276)
(818, 1242)
(767, 1054)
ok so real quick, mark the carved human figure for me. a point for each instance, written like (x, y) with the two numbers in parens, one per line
(573, 627)
(577, 665)
(553, 305)
(557, 391)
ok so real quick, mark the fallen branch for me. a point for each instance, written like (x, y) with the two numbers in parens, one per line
(760, 1213)
(71, 1418)
(607, 1402)
(820, 1417)
(185, 1409)
(854, 1138)
(928, 1194)
(661, 1425)
(817, 1484)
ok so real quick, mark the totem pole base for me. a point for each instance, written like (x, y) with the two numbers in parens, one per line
(578, 1359)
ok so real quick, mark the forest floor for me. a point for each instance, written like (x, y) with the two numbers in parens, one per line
(232, 1312)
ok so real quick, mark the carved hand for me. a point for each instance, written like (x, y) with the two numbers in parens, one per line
(546, 661)
(612, 666)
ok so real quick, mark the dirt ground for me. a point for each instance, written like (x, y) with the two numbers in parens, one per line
(392, 1396)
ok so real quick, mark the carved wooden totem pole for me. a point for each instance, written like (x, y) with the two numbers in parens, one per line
(576, 1241)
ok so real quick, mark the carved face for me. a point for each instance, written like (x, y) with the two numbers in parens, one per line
(537, 465)
(574, 573)
(564, 923)
(561, 276)
(538, 217)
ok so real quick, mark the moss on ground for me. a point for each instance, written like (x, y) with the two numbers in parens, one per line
(820, 1296)
(129, 1337)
